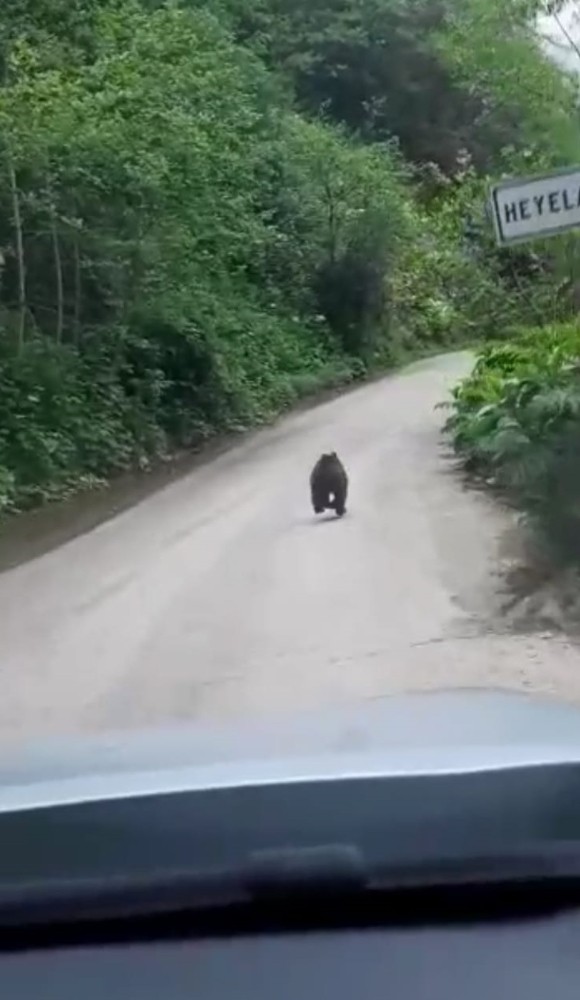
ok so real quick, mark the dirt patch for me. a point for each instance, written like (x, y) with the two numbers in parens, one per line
(536, 594)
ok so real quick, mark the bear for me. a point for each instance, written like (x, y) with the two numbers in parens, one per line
(329, 485)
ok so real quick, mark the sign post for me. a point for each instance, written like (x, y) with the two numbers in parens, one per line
(536, 207)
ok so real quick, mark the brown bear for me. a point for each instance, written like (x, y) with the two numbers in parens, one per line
(329, 484)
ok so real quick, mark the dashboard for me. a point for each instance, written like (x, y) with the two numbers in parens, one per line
(530, 959)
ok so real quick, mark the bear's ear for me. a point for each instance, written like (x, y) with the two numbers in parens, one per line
(332, 454)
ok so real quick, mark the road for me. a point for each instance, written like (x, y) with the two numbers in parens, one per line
(223, 595)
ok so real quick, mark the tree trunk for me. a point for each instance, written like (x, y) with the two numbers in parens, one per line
(77, 290)
(57, 258)
(20, 262)
(57, 274)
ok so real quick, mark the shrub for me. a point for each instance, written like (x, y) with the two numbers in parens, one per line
(516, 422)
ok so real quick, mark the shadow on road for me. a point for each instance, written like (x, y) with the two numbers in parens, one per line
(329, 518)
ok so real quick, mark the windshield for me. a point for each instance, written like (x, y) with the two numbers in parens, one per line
(289, 340)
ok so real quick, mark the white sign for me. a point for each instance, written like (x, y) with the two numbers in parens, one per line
(536, 207)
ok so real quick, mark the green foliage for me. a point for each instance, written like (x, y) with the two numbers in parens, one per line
(443, 76)
(149, 241)
(59, 427)
(209, 209)
(516, 423)
(526, 101)
(458, 84)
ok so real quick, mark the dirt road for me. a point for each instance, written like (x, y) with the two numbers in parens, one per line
(222, 594)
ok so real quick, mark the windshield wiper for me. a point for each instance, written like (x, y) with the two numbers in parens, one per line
(287, 878)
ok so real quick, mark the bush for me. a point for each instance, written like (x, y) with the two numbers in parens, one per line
(516, 423)
(58, 427)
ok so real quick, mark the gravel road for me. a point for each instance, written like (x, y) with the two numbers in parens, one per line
(222, 594)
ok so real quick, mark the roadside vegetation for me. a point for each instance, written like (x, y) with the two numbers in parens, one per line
(210, 209)
(515, 420)
(516, 426)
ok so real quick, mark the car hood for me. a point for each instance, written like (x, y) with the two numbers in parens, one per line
(400, 779)
(415, 733)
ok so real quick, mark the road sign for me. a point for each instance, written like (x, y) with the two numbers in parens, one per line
(535, 207)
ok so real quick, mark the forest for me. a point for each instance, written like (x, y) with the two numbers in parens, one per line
(211, 208)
